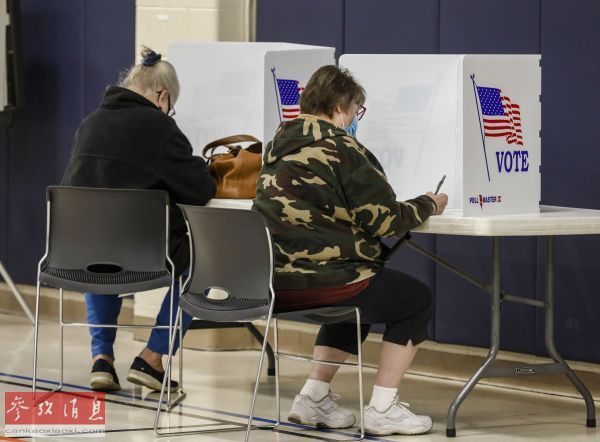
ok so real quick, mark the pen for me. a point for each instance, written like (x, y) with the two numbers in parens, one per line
(439, 185)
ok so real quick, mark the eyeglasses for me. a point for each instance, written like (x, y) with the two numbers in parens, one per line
(171, 112)
(361, 113)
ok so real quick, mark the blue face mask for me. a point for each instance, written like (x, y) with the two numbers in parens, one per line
(350, 130)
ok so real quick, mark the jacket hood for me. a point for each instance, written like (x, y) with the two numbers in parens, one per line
(116, 97)
(291, 136)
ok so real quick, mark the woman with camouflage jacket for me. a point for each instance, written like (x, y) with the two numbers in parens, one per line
(328, 204)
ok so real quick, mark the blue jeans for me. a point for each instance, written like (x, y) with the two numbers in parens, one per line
(105, 309)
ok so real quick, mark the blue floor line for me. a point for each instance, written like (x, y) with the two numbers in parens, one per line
(198, 408)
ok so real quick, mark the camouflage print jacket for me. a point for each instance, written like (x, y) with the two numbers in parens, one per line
(327, 204)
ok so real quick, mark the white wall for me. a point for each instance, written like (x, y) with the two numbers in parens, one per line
(160, 22)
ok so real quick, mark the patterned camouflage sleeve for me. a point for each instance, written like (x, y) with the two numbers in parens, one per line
(375, 208)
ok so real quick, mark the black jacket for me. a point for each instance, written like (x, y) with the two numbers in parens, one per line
(129, 143)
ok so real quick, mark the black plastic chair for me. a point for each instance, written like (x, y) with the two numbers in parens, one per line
(230, 280)
(108, 241)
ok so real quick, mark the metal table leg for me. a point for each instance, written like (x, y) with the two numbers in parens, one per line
(13, 288)
(495, 341)
(549, 335)
(498, 296)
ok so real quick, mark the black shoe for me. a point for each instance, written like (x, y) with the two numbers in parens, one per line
(142, 373)
(104, 377)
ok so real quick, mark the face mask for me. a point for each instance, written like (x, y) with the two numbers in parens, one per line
(350, 130)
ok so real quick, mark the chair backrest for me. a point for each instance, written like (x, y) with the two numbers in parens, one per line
(231, 262)
(104, 230)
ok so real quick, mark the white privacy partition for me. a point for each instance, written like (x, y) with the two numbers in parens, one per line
(231, 88)
(474, 118)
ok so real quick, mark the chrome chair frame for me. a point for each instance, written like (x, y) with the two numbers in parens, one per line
(277, 354)
(358, 366)
(179, 320)
(64, 324)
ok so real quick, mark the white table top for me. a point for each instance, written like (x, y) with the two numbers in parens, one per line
(551, 220)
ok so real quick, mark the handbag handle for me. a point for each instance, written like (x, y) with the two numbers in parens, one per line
(227, 141)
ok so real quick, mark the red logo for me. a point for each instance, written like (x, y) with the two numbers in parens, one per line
(60, 413)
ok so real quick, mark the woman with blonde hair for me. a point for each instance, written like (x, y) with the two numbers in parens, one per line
(132, 142)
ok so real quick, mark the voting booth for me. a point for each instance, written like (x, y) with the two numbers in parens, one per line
(241, 88)
(474, 118)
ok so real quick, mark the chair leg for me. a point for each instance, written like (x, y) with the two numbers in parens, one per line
(180, 355)
(171, 339)
(35, 336)
(165, 379)
(358, 365)
(360, 375)
(182, 394)
(260, 363)
(169, 406)
(61, 347)
(62, 335)
(180, 343)
(277, 392)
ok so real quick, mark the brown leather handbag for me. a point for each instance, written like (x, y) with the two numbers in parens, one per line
(235, 171)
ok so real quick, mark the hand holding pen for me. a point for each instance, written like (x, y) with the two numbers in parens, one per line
(441, 200)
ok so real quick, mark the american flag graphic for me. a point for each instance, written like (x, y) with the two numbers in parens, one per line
(501, 118)
(289, 97)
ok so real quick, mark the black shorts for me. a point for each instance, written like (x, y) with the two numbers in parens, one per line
(403, 303)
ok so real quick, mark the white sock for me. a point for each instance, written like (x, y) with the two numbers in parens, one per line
(382, 398)
(315, 389)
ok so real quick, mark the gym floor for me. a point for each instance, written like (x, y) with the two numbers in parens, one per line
(219, 388)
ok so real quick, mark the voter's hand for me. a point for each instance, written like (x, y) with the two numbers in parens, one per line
(441, 201)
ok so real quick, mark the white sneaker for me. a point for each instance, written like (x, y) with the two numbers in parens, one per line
(397, 419)
(325, 413)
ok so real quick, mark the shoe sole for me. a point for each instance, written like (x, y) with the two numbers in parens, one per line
(297, 420)
(390, 431)
(145, 380)
(101, 381)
